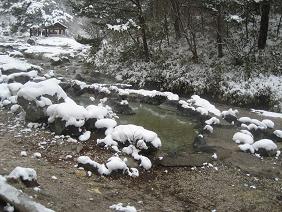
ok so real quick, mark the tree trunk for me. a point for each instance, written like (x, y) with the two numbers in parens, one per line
(278, 26)
(264, 22)
(143, 31)
(219, 32)
(144, 38)
(176, 18)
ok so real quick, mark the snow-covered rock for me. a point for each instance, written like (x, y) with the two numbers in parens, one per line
(243, 138)
(278, 133)
(120, 208)
(212, 121)
(113, 164)
(10, 65)
(85, 136)
(27, 175)
(266, 144)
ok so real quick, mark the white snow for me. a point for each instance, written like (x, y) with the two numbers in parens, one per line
(229, 112)
(214, 156)
(209, 128)
(243, 138)
(8, 63)
(266, 144)
(23, 153)
(31, 90)
(85, 136)
(132, 133)
(113, 164)
(278, 133)
(15, 108)
(37, 155)
(245, 120)
(69, 112)
(212, 121)
(61, 42)
(16, 197)
(4, 91)
(120, 208)
(247, 147)
(200, 102)
(268, 123)
(267, 113)
(23, 173)
(105, 123)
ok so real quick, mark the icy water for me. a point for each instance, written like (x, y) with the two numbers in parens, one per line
(176, 132)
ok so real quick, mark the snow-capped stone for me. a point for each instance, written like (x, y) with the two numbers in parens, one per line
(247, 147)
(266, 144)
(245, 120)
(268, 123)
(85, 136)
(243, 138)
(37, 155)
(15, 108)
(209, 128)
(278, 133)
(23, 153)
(212, 121)
(214, 156)
(120, 208)
(27, 174)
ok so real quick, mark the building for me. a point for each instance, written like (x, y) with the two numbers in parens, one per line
(51, 30)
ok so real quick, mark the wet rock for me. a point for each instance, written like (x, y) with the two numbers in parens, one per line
(80, 78)
(58, 126)
(201, 145)
(120, 106)
(90, 124)
(185, 159)
(59, 61)
(275, 138)
(155, 100)
(31, 42)
(28, 183)
(21, 79)
(193, 113)
(264, 153)
(230, 118)
(33, 112)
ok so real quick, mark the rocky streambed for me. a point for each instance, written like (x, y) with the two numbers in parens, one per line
(198, 168)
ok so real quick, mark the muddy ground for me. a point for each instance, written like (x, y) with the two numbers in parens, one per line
(162, 189)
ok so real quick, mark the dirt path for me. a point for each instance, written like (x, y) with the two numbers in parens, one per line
(161, 189)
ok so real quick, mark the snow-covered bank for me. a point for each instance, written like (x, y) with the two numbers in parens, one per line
(18, 199)
(214, 79)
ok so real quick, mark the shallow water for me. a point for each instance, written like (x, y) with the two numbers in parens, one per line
(176, 132)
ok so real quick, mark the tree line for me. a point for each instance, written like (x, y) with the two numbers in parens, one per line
(190, 20)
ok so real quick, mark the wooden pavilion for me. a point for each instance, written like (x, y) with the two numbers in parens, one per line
(51, 30)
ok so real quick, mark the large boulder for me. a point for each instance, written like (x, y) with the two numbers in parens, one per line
(35, 98)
